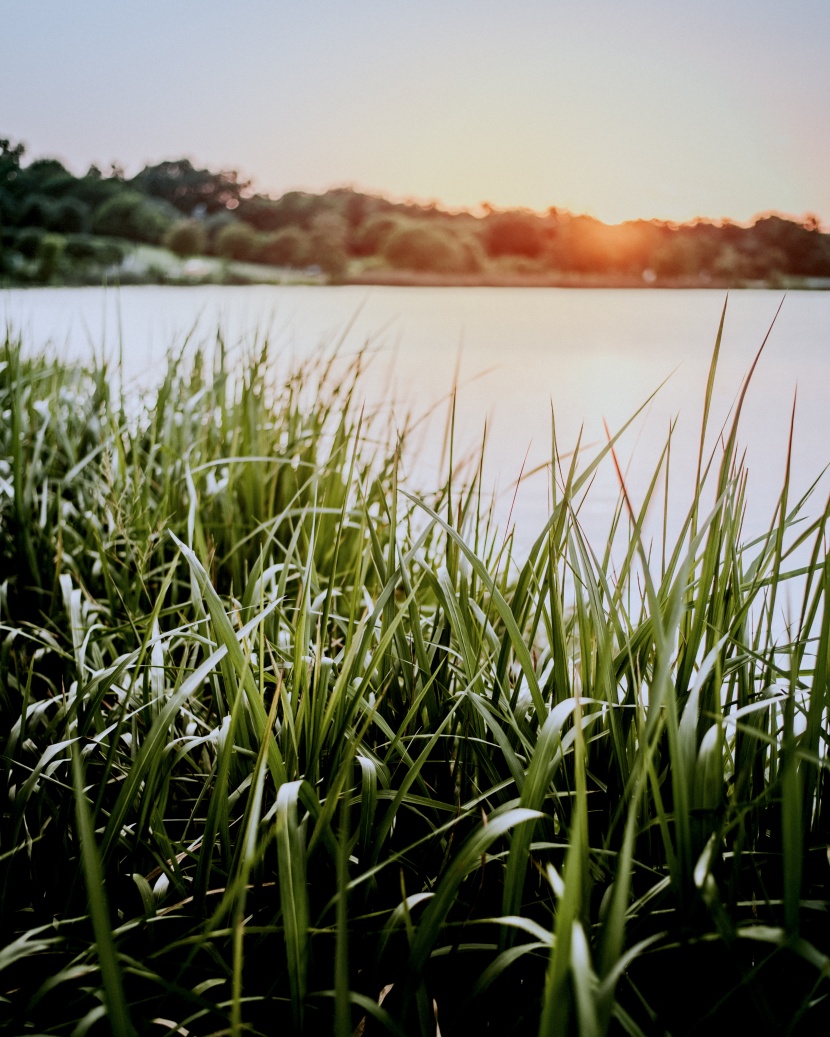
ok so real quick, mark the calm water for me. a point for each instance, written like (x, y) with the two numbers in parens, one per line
(592, 356)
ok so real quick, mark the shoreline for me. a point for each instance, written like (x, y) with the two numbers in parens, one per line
(411, 279)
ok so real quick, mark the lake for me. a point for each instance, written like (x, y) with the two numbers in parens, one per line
(593, 356)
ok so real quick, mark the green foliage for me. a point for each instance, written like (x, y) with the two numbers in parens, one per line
(802, 247)
(69, 216)
(8, 208)
(344, 223)
(94, 190)
(236, 241)
(27, 241)
(36, 211)
(10, 154)
(44, 170)
(287, 247)
(329, 230)
(266, 214)
(373, 234)
(427, 248)
(328, 243)
(186, 238)
(191, 191)
(50, 250)
(130, 215)
(288, 748)
(85, 249)
(56, 185)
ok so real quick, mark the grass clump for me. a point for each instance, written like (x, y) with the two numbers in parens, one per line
(286, 748)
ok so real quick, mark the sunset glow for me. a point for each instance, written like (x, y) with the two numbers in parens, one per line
(620, 111)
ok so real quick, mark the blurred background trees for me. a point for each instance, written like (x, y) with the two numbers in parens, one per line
(52, 220)
(194, 192)
(186, 238)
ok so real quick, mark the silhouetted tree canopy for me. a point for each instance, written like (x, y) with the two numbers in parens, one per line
(189, 189)
(293, 209)
(264, 214)
(344, 230)
(514, 234)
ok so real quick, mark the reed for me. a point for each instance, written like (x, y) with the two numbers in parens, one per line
(289, 748)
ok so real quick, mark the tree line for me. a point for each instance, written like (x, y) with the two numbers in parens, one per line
(53, 223)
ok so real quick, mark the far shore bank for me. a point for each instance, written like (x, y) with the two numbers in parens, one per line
(414, 279)
(209, 271)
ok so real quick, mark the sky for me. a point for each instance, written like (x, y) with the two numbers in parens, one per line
(621, 109)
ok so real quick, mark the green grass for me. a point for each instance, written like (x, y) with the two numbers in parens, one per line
(289, 748)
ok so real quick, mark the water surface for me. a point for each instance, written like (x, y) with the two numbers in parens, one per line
(591, 356)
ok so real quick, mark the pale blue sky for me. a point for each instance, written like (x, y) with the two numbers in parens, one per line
(622, 109)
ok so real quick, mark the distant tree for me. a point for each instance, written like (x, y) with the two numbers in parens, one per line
(354, 206)
(42, 170)
(50, 256)
(261, 213)
(327, 243)
(708, 240)
(28, 241)
(10, 154)
(190, 189)
(805, 248)
(69, 216)
(370, 239)
(298, 208)
(94, 190)
(675, 256)
(514, 234)
(215, 224)
(131, 215)
(288, 247)
(293, 209)
(57, 185)
(425, 249)
(36, 211)
(25, 181)
(236, 241)
(186, 238)
(732, 265)
(85, 250)
(475, 257)
(9, 208)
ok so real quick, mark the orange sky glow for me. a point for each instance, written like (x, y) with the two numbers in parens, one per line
(622, 111)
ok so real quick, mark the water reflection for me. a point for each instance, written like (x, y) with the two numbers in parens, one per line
(590, 356)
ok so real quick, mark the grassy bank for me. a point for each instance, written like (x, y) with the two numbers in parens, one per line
(288, 749)
(566, 279)
(83, 260)
(86, 260)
